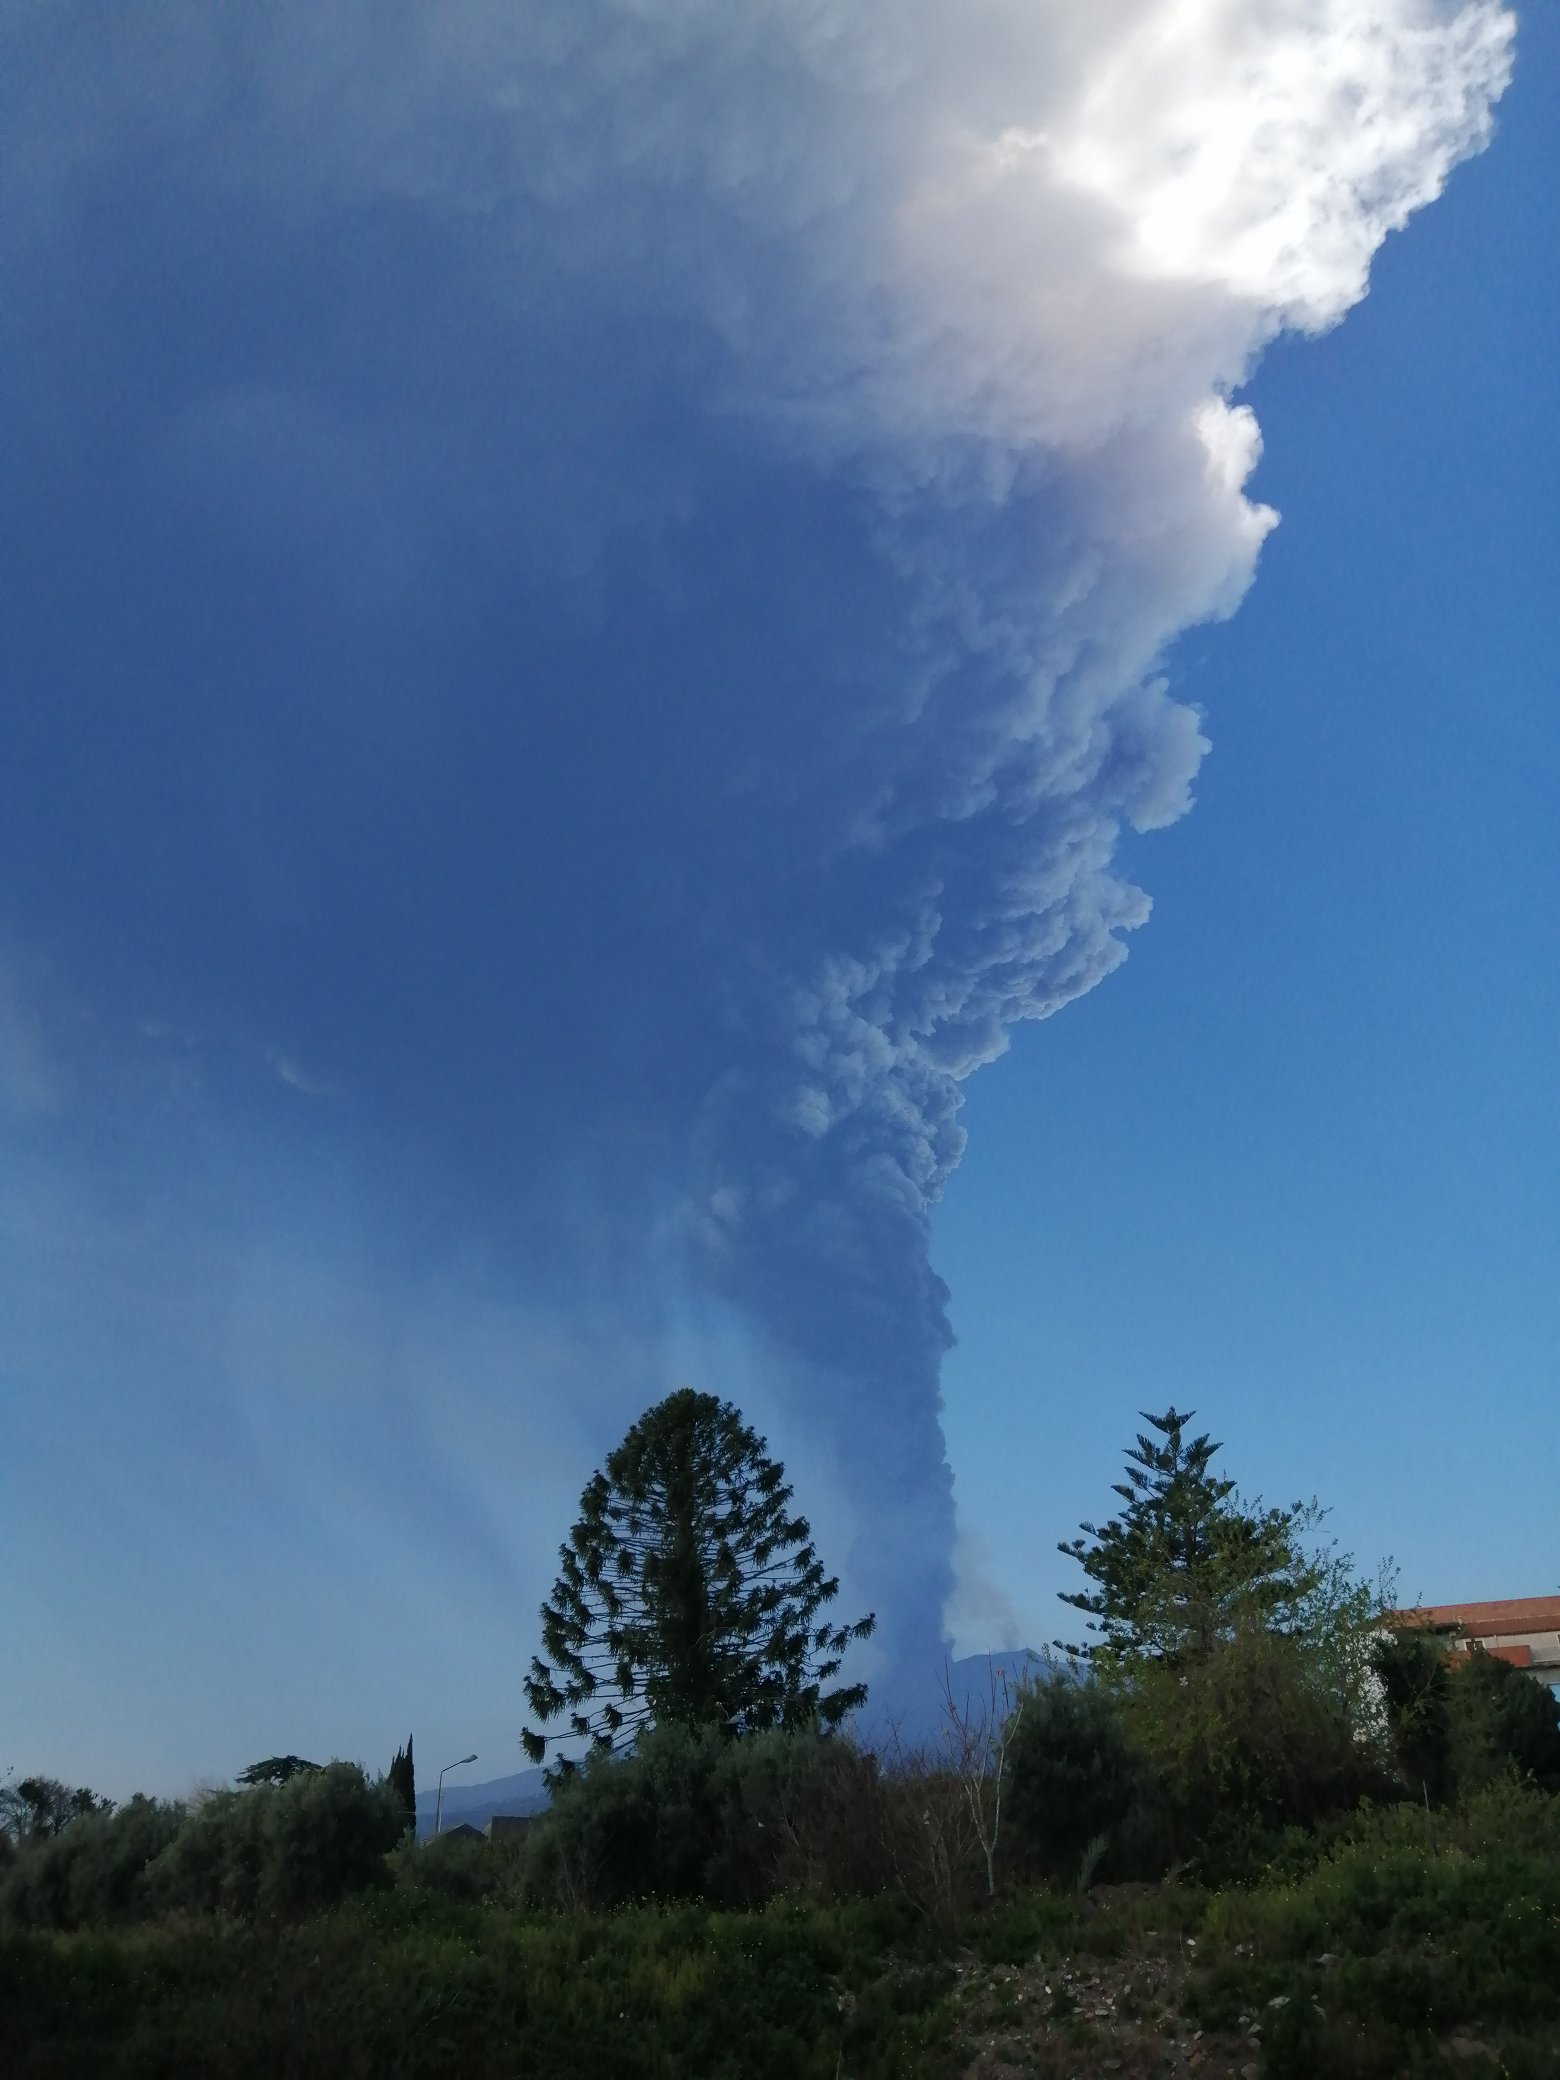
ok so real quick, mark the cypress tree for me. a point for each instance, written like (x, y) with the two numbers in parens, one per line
(402, 1779)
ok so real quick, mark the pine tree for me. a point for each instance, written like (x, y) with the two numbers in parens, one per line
(275, 1769)
(688, 1592)
(1185, 1562)
(402, 1779)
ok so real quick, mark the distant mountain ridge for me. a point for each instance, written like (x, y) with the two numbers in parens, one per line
(475, 1804)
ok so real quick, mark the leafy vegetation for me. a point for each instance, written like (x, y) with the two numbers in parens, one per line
(1076, 1779)
(272, 1851)
(1406, 1946)
(38, 1808)
(408, 1984)
(402, 1779)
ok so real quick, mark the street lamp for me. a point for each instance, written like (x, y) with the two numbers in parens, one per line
(438, 1804)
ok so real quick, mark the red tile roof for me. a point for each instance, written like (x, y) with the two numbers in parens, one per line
(1489, 1620)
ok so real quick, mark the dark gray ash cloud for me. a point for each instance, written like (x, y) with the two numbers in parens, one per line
(590, 582)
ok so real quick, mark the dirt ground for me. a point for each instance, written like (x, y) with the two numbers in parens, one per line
(1095, 2015)
(1091, 2016)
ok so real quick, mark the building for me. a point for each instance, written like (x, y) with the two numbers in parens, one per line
(508, 1827)
(1525, 1630)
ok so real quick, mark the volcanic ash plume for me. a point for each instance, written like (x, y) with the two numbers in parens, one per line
(715, 484)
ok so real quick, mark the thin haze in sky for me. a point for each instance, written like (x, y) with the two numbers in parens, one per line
(590, 591)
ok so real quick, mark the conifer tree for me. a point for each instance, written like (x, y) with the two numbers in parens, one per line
(1185, 1561)
(402, 1779)
(688, 1591)
(275, 1769)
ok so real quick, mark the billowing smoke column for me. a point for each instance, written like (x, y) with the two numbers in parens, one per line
(706, 490)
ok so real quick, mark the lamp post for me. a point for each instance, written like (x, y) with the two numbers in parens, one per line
(438, 1804)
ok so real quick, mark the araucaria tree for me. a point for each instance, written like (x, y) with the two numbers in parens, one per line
(1186, 1563)
(688, 1591)
(1235, 1647)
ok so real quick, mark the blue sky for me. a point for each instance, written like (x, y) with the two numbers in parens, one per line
(576, 673)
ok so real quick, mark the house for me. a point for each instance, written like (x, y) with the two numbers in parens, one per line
(508, 1827)
(462, 1831)
(1524, 1630)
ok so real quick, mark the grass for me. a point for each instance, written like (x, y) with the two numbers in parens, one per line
(391, 1985)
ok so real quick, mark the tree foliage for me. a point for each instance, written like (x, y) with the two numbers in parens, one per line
(1457, 1720)
(1414, 1672)
(1237, 1648)
(1186, 1563)
(38, 1808)
(402, 1779)
(689, 1592)
(1507, 1720)
(1075, 1776)
(275, 1769)
(272, 1852)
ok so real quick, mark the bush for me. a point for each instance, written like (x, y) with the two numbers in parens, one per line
(931, 1842)
(95, 1872)
(388, 1984)
(1502, 1719)
(1243, 1743)
(1414, 1672)
(280, 1851)
(693, 1814)
(797, 1814)
(1455, 1725)
(1419, 1925)
(639, 1827)
(271, 1852)
(455, 1868)
(1073, 1777)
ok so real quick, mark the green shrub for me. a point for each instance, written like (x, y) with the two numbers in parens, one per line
(631, 1828)
(796, 1814)
(1456, 1724)
(455, 1868)
(1245, 1742)
(388, 1984)
(272, 1851)
(279, 1851)
(1502, 1719)
(1419, 1925)
(95, 1872)
(693, 1814)
(1072, 1777)
(1414, 1672)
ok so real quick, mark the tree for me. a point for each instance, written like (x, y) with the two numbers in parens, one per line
(1414, 1672)
(276, 1769)
(1186, 1562)
(39, 1808)
(1456, 1720)
(1239, 1654)
(688, 1593)
(976, 1740)
(1075, 1777)
(1507, 1719)
(402, 1779)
